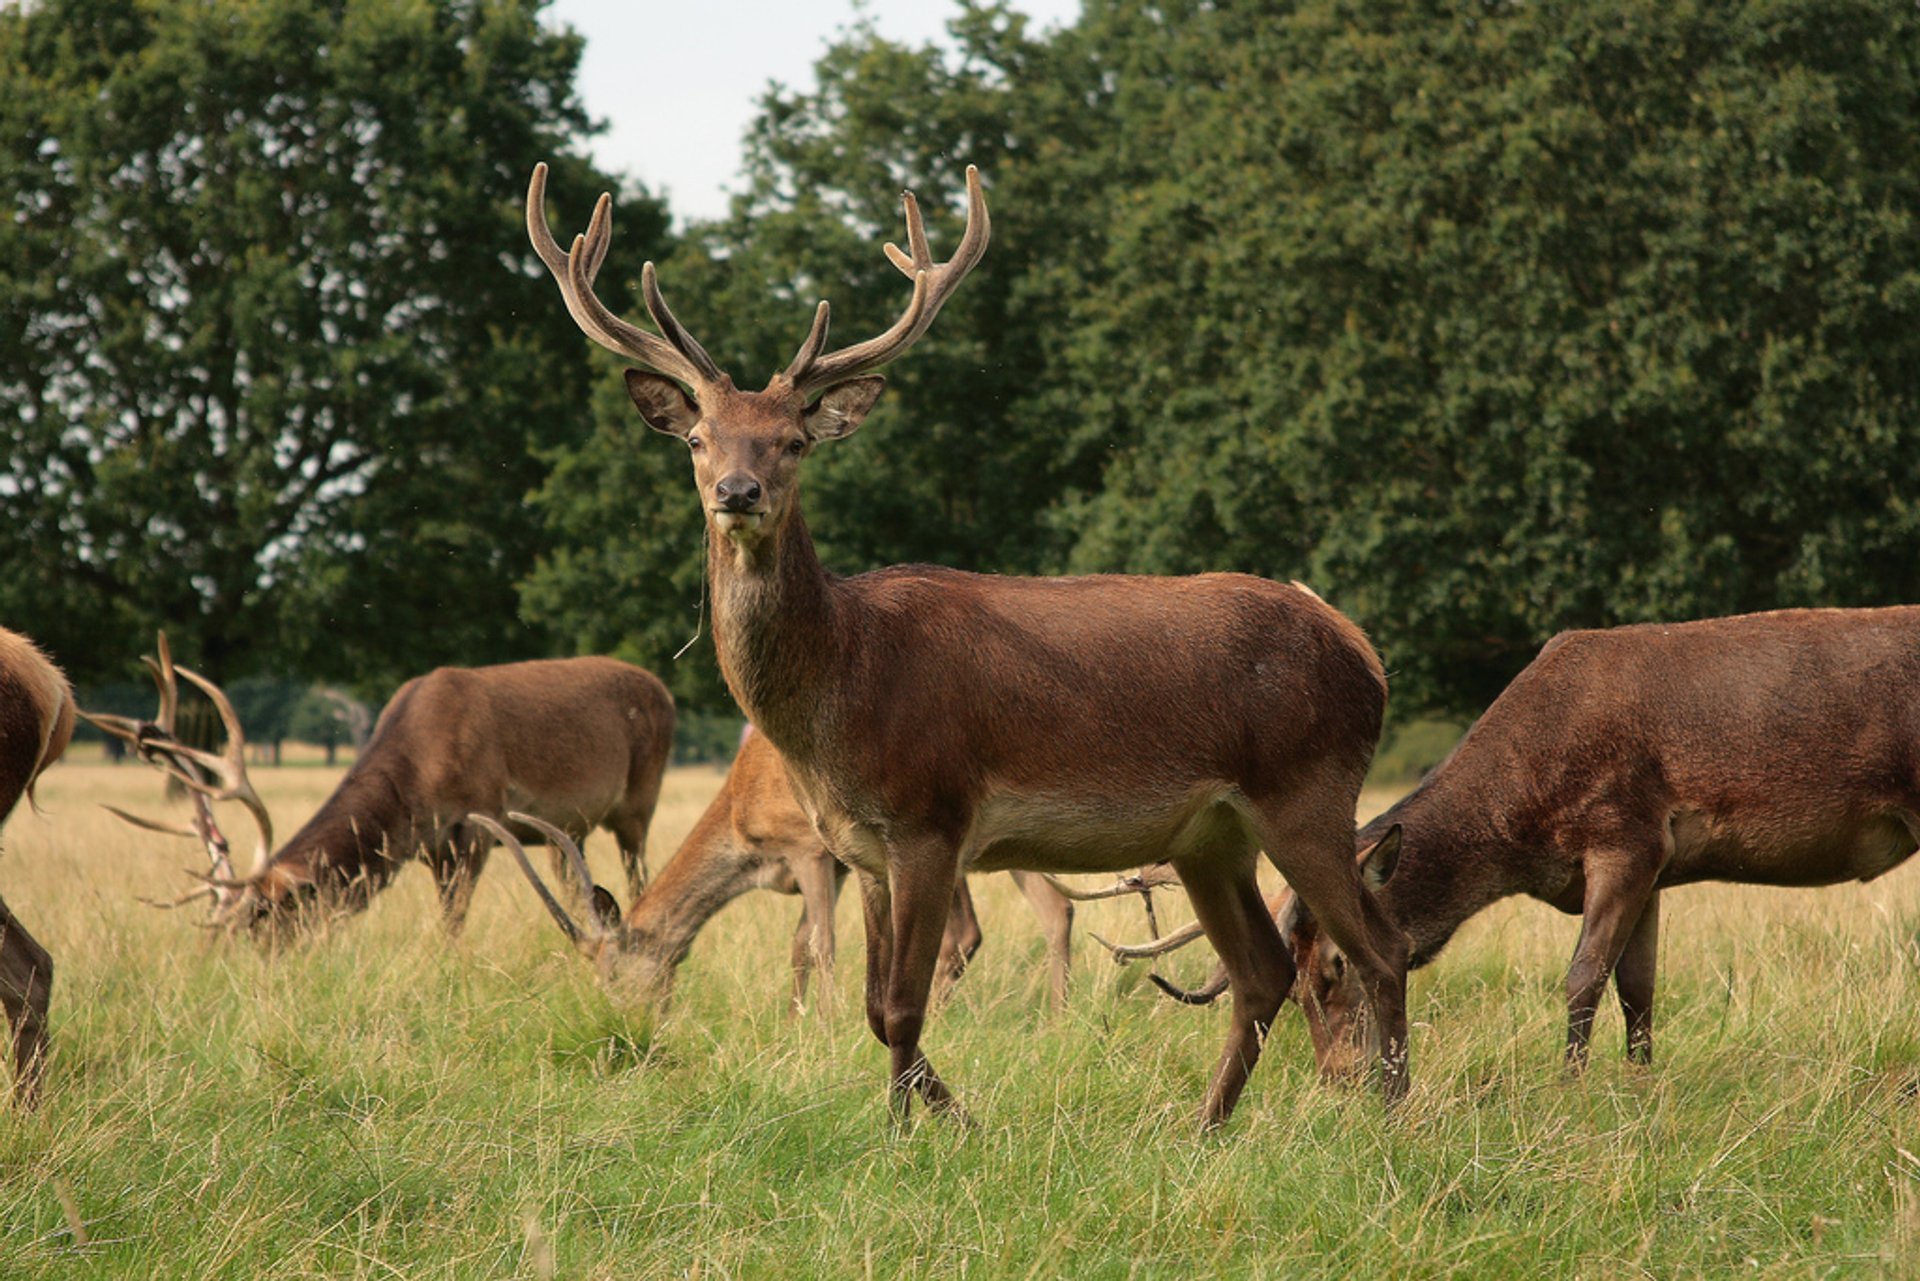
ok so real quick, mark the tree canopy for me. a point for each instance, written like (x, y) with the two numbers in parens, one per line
(276, 360)
(1486, 320)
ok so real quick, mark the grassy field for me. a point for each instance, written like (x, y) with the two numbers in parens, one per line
(380, 1102)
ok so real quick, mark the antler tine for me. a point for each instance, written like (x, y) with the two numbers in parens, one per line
(191, 896)
(121, 727)
(560, 917)
(230, 766)
(1124, 952)
(574, 270)
(669, 324)
(1140, 883)
(169, 689)
(1206, 994)
(565, 843)
(938, 280)
(150, 824)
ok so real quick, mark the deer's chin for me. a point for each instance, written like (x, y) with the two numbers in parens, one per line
(739, 524)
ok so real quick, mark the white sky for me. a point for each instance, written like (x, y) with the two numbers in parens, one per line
(677, 80)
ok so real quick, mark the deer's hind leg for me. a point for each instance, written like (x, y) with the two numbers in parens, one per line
(26, 987)
(1226, 898)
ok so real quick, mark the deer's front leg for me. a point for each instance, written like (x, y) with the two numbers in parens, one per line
(921, 877)
(1619, 887)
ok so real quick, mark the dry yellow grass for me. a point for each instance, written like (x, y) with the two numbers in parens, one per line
(378, 1102)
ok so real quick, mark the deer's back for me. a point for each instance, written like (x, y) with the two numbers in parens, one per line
(1775, 748)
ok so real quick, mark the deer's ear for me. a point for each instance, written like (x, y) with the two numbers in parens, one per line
(606, 908)
(842, 409)
(1377, 864)
(661, 402)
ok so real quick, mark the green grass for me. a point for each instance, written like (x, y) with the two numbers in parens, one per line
(380, 1103)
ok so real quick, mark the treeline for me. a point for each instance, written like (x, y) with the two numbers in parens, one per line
(1485, 320)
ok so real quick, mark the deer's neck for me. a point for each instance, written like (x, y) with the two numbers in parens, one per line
(349, 843)
(777, 629)
(708, 872)
(1448, 871)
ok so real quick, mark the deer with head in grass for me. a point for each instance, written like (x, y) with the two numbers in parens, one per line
(36, 722)
(580, 742)
(937, 722)
(1765, 749)
(753, 835)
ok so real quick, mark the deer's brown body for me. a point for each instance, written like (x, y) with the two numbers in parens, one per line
(1767, 749)
(939, 722)
(36, 722)
(579, 742)
(754, 835)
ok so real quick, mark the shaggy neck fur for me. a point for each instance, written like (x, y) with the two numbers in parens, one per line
(776, 617)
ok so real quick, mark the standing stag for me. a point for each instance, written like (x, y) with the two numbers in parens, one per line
(1766, 749)
(937, 722)
(754, 835)
(579, 742)
(36, 721)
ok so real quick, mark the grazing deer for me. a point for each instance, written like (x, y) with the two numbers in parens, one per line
(754, 835)
(582, 742)
(36, 722)
(937, 722)
(1766, 749)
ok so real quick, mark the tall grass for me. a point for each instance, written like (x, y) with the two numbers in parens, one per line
(379, 1102)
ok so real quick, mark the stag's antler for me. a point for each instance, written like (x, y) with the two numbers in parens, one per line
(1145, 881)
(594, 931)
(933, 284)
(155, 743)
(678, 356)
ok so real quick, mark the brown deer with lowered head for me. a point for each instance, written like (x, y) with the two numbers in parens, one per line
(938, 722)
(1766, 749)
(36, 721)
(754, 835)
(580, 742)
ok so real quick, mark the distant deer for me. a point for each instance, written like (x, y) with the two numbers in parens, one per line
(938, 722)
(36, 722)
(581, 742)
(1765, 749)
(754, 835)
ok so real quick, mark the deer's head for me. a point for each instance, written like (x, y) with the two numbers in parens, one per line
(623, 958)
(747, 446)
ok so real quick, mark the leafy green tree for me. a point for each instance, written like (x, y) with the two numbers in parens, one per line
(276, 360)
(1486, 320)
(943, 470)
(1492, 320)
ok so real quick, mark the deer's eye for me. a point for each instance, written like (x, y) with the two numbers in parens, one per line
(1339, 966)
(796, 447)
(696, 444)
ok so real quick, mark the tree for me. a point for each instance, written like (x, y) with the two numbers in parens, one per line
(1486, 320)
(1492, 320)
(276, 360)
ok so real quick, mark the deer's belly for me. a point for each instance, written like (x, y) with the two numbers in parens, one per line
(1790, 851)
(1037, 832)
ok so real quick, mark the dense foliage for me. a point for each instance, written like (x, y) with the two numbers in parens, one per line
(273, 346)
(1486, 320)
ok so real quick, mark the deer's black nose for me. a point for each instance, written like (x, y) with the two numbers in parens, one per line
(738, 493)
